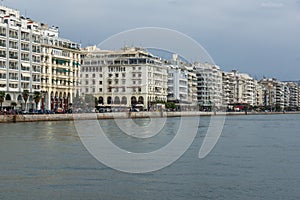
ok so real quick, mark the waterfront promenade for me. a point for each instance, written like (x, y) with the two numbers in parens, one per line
(120, 115)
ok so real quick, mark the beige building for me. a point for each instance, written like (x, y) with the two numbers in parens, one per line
(60, 60)
(240, 88)
(128, 77)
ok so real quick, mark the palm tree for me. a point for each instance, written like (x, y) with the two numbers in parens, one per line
(37, 97)
(25, 95)
(2, 97)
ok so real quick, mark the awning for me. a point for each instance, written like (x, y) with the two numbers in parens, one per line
(26, 64)
(26, 75)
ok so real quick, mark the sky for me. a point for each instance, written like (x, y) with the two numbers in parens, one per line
(258, 37)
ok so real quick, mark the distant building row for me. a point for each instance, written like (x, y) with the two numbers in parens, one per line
(133, 76)
(33, 57)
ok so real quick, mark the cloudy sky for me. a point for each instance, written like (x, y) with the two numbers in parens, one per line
(259, 37)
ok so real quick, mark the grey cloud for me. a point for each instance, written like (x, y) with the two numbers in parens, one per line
(235, 31)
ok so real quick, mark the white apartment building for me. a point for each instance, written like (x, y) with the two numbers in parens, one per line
(209, 85)
(60, 60)
(177, 84)
(192, 85)
(128, 77)
(33, 57)
(177, 80)
(294, 95)
(20, 63)
(258, 94)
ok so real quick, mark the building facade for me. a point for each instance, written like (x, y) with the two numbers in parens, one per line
(33, 57)
(240, 88)
(209, 86)
(60, 61)
(128, 77)
(182, 84)
(20, 63)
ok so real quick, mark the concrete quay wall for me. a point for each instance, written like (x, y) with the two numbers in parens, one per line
(120, 115)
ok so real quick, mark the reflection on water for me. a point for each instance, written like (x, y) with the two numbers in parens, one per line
(257, 157)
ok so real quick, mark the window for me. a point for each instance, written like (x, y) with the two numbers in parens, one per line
(86, 82)
(87, 75)
(100, 89)
(100, 75)
(100, 82)
(94, 75)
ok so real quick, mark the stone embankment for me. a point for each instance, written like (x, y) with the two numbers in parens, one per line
(120, 115)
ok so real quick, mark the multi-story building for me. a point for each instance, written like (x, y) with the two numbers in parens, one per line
(61, 60)
(20, 63)
(209, 86)
(294, 95)
(182, 83)
(239, 88)
(33, 57)
(275, 94)
(128, 77)
(192, 85)
(177, 80)
(258, 94)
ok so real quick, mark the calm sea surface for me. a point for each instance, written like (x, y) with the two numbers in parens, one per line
(257, 157)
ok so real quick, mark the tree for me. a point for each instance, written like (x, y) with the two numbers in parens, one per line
(89, 100)
(37, 97)
(25, 95)
(170, 105)
(2, 97)
(77, 102)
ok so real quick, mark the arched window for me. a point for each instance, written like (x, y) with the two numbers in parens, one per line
(133, 100)
(100, 100)
(8, 98)
(109, 100)
(141, 100)
(20, 98)
(117, 100)
(124, 100)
